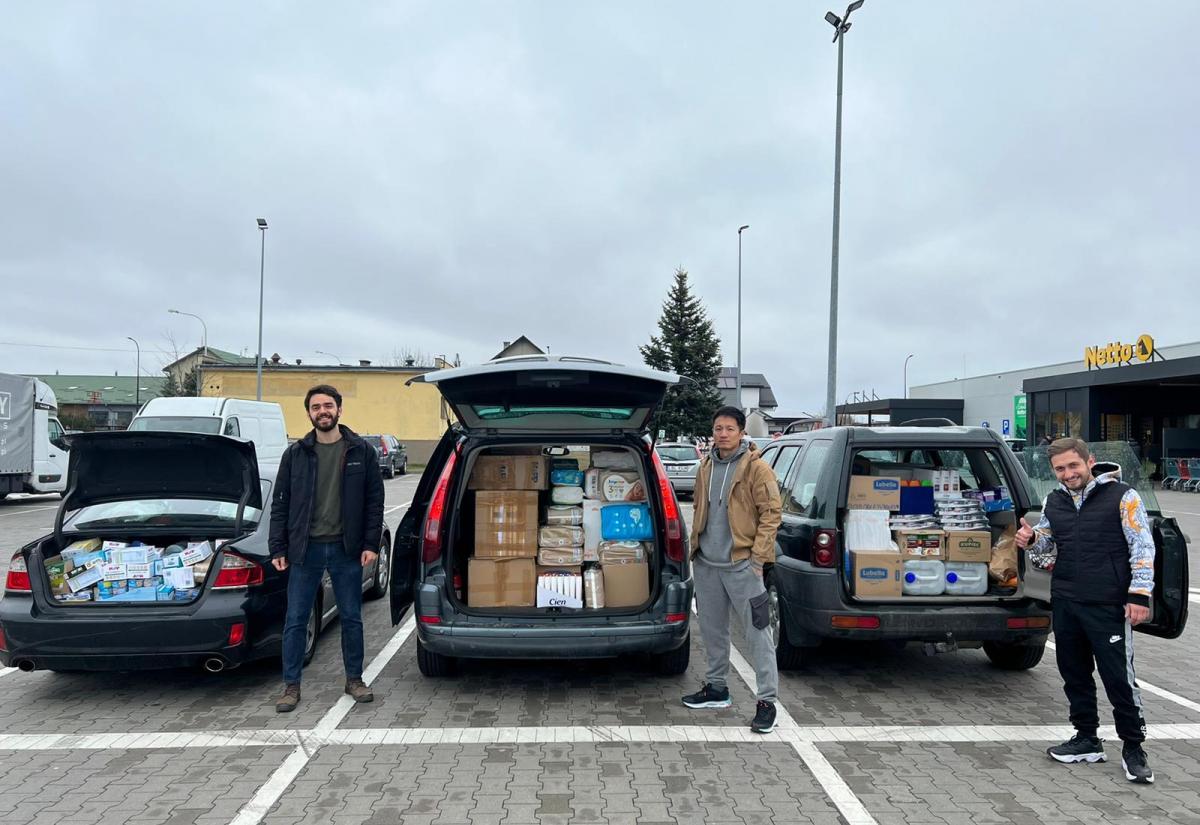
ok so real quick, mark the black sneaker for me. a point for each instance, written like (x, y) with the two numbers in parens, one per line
(764, 718)
(1079, 748)
(708, 697)
(1137, 769)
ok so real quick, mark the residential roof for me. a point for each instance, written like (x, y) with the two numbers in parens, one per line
(103, 390)
(214, 356)
(727, 383)
(521, 346)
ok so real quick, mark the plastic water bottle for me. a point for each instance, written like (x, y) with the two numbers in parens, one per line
(966, 578)
(923, 577)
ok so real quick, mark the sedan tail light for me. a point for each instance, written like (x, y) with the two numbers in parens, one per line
(433, 535)
(824, 548)
(237, 572)
(17, 580)
(674, 523)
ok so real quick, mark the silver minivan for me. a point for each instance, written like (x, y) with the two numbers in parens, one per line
(549, 406)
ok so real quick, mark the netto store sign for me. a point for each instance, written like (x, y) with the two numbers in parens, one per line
(1116, 354)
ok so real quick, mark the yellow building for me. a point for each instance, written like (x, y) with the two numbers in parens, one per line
(374, 399)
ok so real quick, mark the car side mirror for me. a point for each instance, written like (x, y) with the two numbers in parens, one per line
(60, 442)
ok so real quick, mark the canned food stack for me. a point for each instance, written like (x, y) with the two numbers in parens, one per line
(961, 514)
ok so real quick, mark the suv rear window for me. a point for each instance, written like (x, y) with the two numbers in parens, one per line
(803, 488)
(978, 468)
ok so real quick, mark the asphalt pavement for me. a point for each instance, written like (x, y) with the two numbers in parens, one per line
(867, 735)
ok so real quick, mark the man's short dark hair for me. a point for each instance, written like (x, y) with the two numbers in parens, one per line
(1069, 445)
(731, 412)
(323, 389)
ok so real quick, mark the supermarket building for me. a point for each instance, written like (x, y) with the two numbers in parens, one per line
(1121, 390)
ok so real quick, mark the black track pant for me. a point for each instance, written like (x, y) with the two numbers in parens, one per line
(1087, 636)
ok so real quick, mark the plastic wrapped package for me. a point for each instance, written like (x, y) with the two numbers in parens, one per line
(560, 555)
(593, 588)
(564, 514)
(868, 530)
(614, 459)
(567, 495)
(625, 522)
(618, 485)
(591, 483)
(560, 536)
(619, 552)
(566, 478)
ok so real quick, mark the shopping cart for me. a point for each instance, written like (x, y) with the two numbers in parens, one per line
(1192, 485)
(1177, 473)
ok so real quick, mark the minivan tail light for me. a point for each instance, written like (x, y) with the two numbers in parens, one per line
(237, 572)
(670, 511)
(383, 444)
(824, 548)
(432, 538)
(17, 580)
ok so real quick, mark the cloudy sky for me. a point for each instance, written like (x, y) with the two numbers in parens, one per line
(1020, 180)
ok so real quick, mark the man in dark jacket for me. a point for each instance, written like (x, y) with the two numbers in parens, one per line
(1095, 535)
(326, 514)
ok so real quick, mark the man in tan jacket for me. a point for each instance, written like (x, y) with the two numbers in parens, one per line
(737, 513)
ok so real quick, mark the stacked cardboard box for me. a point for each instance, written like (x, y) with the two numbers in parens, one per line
(90, 570)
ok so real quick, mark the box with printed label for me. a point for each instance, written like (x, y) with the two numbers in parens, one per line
(626, 585)
(196, 552)
(84, 577)
(875, 573)
(506, 524)
(969, 545)
(560, 586)
(874, 493)
(510, 472)
(501, 582)
(922, 544)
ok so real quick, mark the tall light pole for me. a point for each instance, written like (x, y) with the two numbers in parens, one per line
(841, 25)
(204, 342)
(262, 264)
(738, 384)
(330, 354)
(137, 381)
(906, 376)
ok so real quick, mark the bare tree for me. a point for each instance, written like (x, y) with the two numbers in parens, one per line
(409, 357)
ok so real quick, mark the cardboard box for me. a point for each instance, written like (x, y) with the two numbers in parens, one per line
(626, 585)
(922, 544)
(501, 582)
(560, 586)
(969, 545)
(506, 524)
(875, 573)
(874, 493)
(510, 472)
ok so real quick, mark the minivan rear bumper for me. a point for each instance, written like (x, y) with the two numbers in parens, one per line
(576, 642)
(811, 597)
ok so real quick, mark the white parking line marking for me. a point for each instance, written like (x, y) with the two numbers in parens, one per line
(397, 507)
(27, 510)
(310, 740)
(266, 796)
(1157, 691)
(4, 671)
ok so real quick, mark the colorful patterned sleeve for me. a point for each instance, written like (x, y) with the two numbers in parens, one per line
(1042, 552)
(1136, 524)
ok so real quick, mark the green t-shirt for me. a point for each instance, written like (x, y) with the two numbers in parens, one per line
(327, 509)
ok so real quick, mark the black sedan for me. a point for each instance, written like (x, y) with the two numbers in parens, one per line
(158, 559)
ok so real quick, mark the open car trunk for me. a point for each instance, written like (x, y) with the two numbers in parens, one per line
(538, 529)
(929, 526)
(136, 570)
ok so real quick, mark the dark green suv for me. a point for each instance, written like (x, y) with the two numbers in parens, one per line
(810, 582)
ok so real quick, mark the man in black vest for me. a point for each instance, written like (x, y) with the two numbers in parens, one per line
(1095, 535)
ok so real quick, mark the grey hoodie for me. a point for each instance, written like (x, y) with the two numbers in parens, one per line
(716, 543)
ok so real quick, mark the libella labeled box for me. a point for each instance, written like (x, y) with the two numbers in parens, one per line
(506, 524)
(510, 472)
(874, 493)
(875, 573)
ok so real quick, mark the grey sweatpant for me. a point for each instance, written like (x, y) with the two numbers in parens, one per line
(718, 589)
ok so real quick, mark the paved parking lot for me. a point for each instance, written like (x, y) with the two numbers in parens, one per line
(869, 735)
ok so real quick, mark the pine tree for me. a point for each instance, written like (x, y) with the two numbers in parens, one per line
(687, 345)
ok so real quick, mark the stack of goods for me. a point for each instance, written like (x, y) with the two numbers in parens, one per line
(560, 542)
(618, 517)
(923, 555)
(872, 560)
(991, 500)
(502, 572)
(90, 570)
(961, 514)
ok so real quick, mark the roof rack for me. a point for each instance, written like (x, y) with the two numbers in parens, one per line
(929, 422)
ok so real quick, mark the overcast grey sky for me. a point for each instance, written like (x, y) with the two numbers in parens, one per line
(1020, 180)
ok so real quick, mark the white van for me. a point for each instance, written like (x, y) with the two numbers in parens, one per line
(259, 422)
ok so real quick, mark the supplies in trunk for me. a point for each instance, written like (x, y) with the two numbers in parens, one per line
(567, 495)
(1002, 568)
(621, 552)
(617, 485)
(560, 555)
(89, 570)
(626, 522)
(626, 585)
(560, 587)
(501, 582)
(506, 524)
(564, 514)
(614, 460)
(560, 536)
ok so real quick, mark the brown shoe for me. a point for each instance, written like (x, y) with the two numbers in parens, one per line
(288, 701)
(359, 690)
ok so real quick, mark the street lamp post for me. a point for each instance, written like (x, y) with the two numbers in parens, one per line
(330, 354)
(137, 381)
(262, 264)
(738, 384)
(906, 376)
(203, 343)
(841, 25)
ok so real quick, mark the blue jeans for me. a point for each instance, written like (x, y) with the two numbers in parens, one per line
(304, 580)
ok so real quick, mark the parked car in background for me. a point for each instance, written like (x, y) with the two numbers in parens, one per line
(681, 462)
(159, 489)
(393, 459)
(259, 422)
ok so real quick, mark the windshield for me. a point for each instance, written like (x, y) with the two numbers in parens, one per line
(177, 424)
(1036, 461)
(685, 453)
(166, 512)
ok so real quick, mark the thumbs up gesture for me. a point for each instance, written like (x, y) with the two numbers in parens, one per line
(1024, 534)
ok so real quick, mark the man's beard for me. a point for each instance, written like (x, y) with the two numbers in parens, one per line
(326, 424)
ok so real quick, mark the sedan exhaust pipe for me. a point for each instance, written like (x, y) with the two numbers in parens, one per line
(214, 665)
(26, 666)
